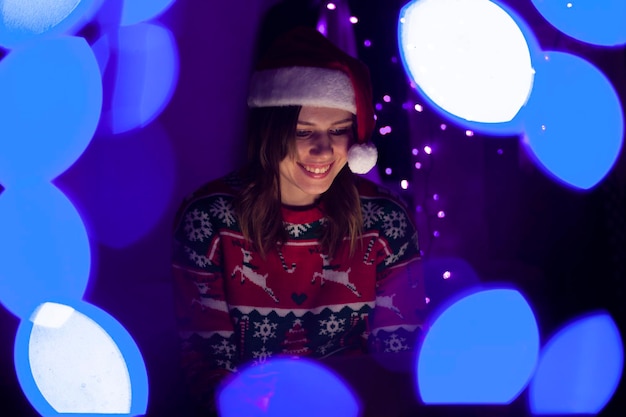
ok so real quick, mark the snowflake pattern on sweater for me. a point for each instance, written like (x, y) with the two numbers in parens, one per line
(233, 308)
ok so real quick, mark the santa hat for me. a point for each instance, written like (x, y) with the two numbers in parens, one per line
(303, 68)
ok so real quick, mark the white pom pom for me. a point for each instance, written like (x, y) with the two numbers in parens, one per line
(362, 158)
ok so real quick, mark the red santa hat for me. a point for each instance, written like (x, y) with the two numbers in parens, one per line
(303, 68)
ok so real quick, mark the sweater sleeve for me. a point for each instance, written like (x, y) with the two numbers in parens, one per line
(396, 321)
(207, 345)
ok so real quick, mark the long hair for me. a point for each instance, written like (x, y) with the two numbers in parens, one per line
(271, 137)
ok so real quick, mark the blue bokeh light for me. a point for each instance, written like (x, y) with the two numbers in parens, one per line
(123, 184)
(39, 339)
(579, 369)
(598, 22)
(136, 11)
(144, 76)
(44, 248)
(49, 108)
(22, 21)
(287, 387)
(480, 350)
(573, 121)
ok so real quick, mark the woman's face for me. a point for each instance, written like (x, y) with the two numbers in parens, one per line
(323, 136)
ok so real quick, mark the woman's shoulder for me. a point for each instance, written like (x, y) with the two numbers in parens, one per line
(385, 210)
(227, 186)
(214, 196)
(370, 190)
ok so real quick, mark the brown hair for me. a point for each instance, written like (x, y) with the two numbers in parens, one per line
(271, 135)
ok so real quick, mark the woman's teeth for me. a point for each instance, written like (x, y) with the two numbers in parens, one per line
(317, 170)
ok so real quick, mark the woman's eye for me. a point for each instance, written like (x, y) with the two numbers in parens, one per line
(340, 132)
(303, 133)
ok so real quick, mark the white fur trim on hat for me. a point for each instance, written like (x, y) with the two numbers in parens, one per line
(302, 86)
(362, 157)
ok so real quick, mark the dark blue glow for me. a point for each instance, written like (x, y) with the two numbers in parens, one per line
(480, 350)
(287, 387)
(107, 18)
(579, 369)
(132, 356)
(123, 184)
(44, 248)
(49, 108)
(145, 76)
(136, 11)
(102, 51)
(599, 22)
(574, 123)
(20, 23)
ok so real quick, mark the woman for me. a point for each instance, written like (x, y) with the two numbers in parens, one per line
(296, 255)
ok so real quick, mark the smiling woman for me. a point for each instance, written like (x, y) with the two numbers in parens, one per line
(295, 255)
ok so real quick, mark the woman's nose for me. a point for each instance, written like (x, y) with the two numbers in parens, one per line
(322, 144)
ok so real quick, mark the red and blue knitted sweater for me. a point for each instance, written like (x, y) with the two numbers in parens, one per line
(233, 308)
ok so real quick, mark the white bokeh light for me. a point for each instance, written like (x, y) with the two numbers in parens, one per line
(35, 16)
(52, 315)
(469, 57)
(75, 363)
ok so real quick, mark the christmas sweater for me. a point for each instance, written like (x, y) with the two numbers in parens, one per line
(236, 309)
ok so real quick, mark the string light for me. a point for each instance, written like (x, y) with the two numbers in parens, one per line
(469, 133)
(447, 274)
(354, 20)
(331, 6)
(385, 130)
(417, 146)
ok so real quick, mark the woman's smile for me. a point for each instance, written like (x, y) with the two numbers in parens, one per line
(316, 171)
